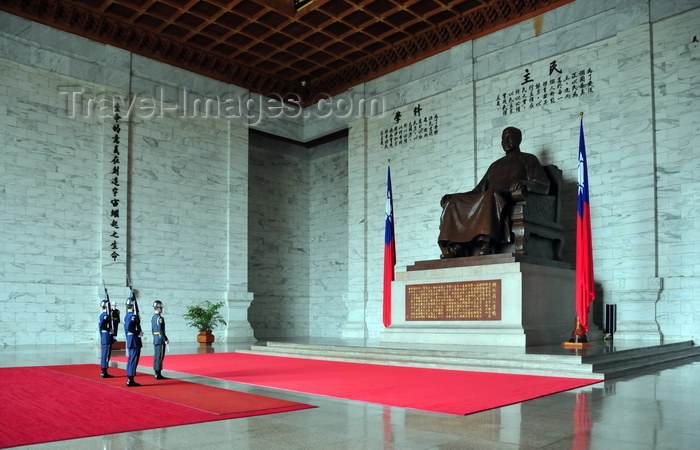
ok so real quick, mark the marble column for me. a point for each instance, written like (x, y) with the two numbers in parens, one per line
(237, 296)
(357, 296)
(635, 287)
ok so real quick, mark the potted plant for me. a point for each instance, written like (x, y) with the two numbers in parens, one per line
(204, 318)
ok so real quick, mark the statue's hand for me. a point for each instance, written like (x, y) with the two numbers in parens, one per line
(516, 186)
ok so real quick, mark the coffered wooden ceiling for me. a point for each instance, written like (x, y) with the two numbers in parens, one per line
(270, 47)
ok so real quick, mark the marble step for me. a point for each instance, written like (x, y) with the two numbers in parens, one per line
(631, 362)
(545, 365)
(602, 363)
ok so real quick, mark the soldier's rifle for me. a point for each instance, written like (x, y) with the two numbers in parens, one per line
(110, 326)
(132, 296)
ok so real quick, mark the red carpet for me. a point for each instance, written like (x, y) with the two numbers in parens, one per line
(43, 404)
(445, 391)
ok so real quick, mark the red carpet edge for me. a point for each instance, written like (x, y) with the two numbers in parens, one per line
(438, 390)
(45, 404)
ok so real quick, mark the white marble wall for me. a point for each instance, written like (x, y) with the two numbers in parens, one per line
(183, 189)
(298, 238)
(279, 244)
(677, 129)
(197, 203)
(328, 236)
(49, 246)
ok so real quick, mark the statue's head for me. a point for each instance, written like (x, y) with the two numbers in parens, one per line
(511, 138)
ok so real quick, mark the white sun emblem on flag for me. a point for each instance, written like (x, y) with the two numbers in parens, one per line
(580, 173)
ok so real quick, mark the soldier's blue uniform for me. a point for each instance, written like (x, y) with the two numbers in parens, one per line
(132, 328)
(160, 339)
(106, 339)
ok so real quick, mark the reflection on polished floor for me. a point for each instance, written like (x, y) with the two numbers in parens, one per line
(657, 409)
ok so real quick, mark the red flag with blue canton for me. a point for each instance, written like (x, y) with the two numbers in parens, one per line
(389, 252)
(585, 286)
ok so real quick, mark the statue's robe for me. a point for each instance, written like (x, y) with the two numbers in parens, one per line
(486, 209)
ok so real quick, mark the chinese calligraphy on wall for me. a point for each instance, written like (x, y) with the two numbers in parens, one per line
(532, 92)
(403, 131)
(114, 181)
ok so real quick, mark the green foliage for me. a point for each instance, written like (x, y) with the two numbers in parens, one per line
(206, 317)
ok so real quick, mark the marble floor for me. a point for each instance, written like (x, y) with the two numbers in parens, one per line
(657, 409)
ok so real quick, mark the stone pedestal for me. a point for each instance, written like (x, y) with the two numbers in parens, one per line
(536, 302)
(238, 327)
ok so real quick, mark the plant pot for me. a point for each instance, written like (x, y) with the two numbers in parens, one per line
(205, 338)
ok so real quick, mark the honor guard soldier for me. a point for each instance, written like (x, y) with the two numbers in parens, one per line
(132, 328)
(106, 339)
(160, 339)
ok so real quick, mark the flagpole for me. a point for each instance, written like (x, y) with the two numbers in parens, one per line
(584, 285)
(389, 250)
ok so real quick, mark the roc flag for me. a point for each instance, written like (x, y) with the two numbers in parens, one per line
(585, 289)
(389, 251)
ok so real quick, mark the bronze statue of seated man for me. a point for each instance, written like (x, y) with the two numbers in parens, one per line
(480, 218)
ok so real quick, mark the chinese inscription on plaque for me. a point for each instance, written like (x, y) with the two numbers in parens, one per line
(464, 300)
(403, 131)
(535, 91)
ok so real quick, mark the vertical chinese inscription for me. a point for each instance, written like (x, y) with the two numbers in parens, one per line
(114, 181)
(464, 300)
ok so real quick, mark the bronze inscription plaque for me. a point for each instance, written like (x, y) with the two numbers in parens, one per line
(463, 300)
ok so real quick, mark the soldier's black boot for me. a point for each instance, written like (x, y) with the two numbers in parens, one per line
(104, 374)
(159, 376)
(131, 383)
